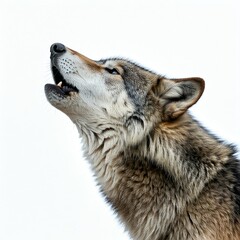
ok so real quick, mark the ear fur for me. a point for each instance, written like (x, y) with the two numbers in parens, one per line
(178, 95)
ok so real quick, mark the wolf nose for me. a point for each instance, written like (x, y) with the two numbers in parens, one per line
(57, 48)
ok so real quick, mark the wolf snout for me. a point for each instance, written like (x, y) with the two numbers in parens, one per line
(57, 48)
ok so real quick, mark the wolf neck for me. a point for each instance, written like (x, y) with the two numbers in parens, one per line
(103, 149)
(155, 180)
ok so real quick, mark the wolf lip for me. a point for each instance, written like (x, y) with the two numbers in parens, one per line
(65, 87)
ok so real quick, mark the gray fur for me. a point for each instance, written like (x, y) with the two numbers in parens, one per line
(164, 174)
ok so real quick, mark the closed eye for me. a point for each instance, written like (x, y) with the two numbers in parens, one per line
(113, 71)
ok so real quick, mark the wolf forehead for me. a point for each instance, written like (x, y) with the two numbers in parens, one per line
(127, 63)
(131, 67)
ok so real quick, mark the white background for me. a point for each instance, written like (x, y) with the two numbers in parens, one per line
(46, 188)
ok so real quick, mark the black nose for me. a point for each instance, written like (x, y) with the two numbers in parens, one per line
(57, 48)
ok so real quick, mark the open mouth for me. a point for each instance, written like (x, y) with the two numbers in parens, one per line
(63, 86)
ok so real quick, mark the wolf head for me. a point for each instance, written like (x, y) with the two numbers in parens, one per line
(116, 94)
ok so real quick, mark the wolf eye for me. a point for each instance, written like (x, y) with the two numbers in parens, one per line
(112, 71)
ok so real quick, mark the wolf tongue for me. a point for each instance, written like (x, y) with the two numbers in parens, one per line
(67, 89)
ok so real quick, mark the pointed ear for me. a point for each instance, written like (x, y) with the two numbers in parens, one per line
(180, 94)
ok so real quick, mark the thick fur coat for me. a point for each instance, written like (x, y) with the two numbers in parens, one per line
(164, 174)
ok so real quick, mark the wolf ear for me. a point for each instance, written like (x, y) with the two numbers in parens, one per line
(177, 95)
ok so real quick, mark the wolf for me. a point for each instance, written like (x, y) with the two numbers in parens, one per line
(164, 174)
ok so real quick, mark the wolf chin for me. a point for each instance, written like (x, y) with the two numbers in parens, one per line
(165, 176)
